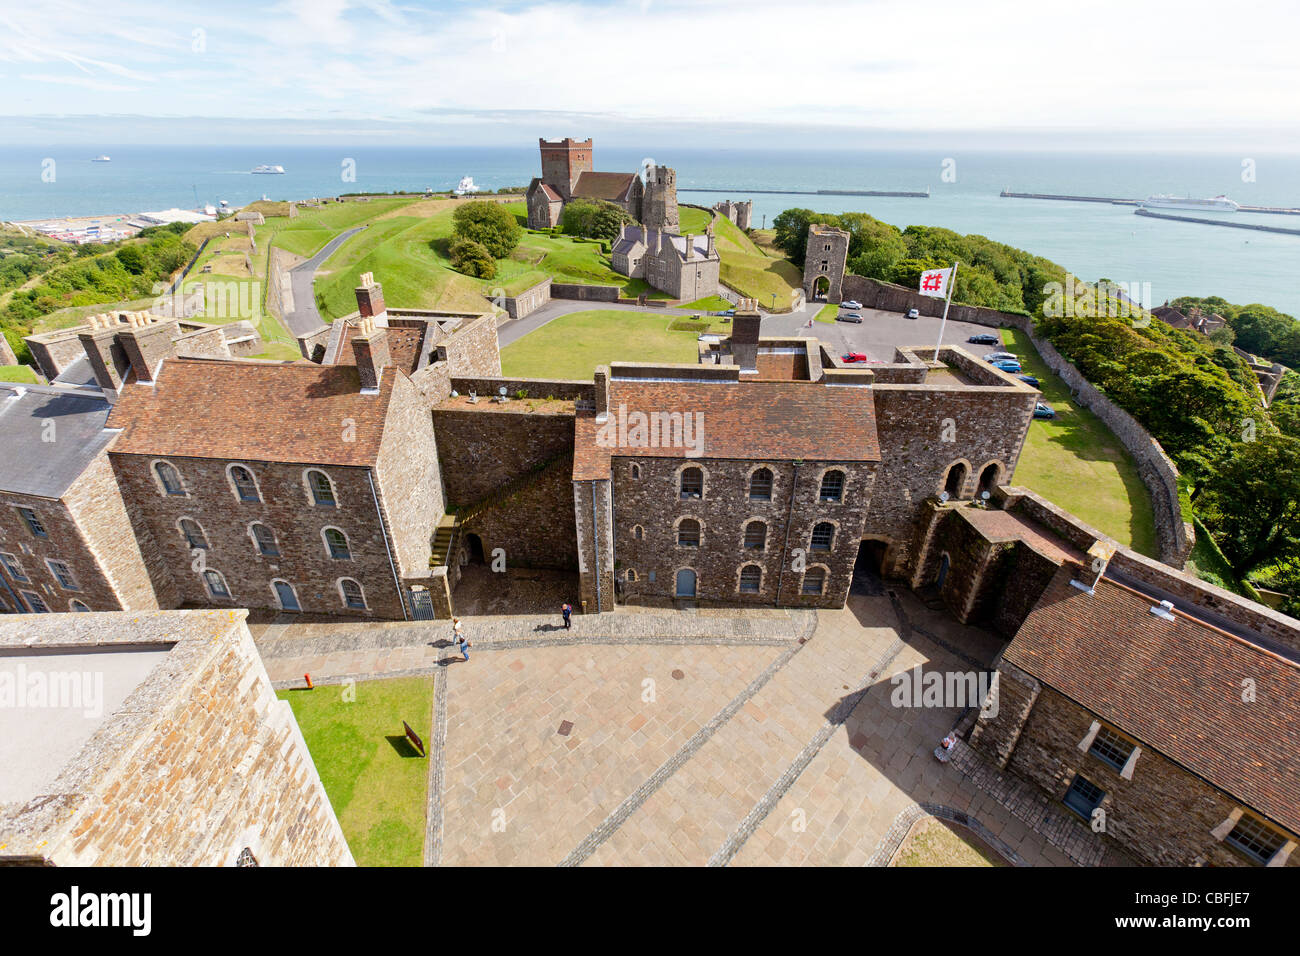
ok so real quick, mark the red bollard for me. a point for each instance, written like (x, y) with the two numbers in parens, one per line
(307, 678)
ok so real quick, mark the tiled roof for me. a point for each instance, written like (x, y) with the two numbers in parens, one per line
(253, 411)
(1175, 686)
(403, 346)
(780, 421)
(608, 186)
(997, 525)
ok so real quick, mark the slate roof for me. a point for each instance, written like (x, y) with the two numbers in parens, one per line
(612, 187)
(780, 421)
(33, 465)
(253, 411)
(1175, 686)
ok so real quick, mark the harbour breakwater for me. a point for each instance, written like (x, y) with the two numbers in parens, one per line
(1271, 210)
(1218, 222)
(804, 192)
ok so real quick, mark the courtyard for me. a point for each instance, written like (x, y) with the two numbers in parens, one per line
(655, 736)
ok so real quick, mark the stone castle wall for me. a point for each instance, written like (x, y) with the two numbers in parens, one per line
(409, 480)
(528, 301)
(65, 542)
(585, 293)
(482, 450)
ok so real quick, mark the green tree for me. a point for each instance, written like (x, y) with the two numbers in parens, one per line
(473, 259)
(1252, 502)
(489, 224)
(593, 219)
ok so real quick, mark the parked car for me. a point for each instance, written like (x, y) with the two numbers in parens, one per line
(913, 313)
(729, 313)
(1028, 379)
(849, 317)
(984, 338)
(851, 304)
(1001, 356)
(1043, 410)
(849, 357)
(1007, 365)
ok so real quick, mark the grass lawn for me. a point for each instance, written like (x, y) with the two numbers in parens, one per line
(279, 351)
(827, 314)
(571, 346)
(751, 271)
(694, 221)
(933, 843)
(1075, 461)
(376, 781)
(710, 303)
(18, 373)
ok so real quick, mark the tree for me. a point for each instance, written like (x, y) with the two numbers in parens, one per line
(594, 219)
(132, 259)
(489, 224)
(792, 231)
(473, 259)
(1252, 503)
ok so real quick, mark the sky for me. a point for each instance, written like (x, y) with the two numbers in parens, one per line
(1183, 74)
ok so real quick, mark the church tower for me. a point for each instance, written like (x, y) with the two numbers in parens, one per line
(563, 162)
(659, 202)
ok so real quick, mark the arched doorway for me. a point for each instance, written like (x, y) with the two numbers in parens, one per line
(685, 583)
(821, 287)
(956, 480)
(990, 478)
(475, 545)
(943, 570)
(868, 569)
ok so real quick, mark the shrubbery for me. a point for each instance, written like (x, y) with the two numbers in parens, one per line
(473, 259)
(490, 224)
(593, 219)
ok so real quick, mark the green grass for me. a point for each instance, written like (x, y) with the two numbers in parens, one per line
(1208, 563)
(376, 782)
(827, 314)
(1075, 461)
(693, 221)
(18, 373)
(751, 271)
(571, 346)
(710, 303)
(279, 351)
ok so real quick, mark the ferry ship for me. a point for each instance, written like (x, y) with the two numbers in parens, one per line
(102, 159)
(1217, 204)
(269, 170)
(466, 185)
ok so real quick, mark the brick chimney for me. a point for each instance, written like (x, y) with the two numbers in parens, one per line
(601, 379)
(370, 346)
(690, 249)
(370, 300)
(147, 340)
(108, 360)
(744, 334)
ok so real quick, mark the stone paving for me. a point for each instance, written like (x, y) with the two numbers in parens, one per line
(668, 737)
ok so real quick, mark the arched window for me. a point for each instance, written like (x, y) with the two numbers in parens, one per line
(78, 607)
(760, 485)
(814, 581)
(751, 577)
(245, 485)
(636, 471)
(322, 489)
(352, 595)
(989, 478)
(756, 536)
(832, 486)
(194, 536)
(170, 478)
(688, 533)
(216, 584)
(638, 532)
(692, 483)
(631, 574)
(823, 534)
(955, 480)
(264, 537)
(336, 543)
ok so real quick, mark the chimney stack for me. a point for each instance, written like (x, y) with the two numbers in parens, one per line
(147, 340)
(370, 346)
(690, 249)
(107, 359)
(712, 248)
(370, 300)
(744, 334)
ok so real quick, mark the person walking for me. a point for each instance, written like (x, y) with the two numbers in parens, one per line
(567, 612)
(464, 646)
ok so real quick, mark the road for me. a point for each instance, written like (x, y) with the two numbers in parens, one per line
(305, 318)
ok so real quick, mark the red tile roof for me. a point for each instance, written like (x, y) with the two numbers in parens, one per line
(608, 186)
(1176, 686)
(403, 346)
(253, 411)
(740, 420)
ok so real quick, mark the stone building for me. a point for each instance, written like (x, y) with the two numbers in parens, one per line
(825, 263)
(740, 213)
(159, 742)
(567, 174)
(686, 267)
(66, 541)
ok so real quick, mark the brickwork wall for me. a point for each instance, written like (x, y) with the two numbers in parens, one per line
(528, 301)
(585, 293)
(222, 766)
(205, 343)
(473, 349)
(827, 255)
(481, 451)
(409, 479)
(56, 353)
(986, 426)
(1164, 815)
(64, 542)
(287, 510)
(535, 524)
(593, 521)
(652, 502)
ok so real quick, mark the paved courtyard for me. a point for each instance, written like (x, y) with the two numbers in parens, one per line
(878, 334)
(708, 737)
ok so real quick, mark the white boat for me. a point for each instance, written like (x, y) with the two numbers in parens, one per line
(268, 170)
(466, 185)
(1217, 204)
(102, 159)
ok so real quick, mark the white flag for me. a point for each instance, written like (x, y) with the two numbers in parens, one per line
(934, 283)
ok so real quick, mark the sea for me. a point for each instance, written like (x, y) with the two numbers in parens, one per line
(1159, 259)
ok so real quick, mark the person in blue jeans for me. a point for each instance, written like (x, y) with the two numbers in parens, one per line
(566, 611)
(464, 647)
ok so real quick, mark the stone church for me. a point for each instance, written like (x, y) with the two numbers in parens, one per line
(567, 174)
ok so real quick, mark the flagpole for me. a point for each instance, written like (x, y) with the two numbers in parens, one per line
(952, 282)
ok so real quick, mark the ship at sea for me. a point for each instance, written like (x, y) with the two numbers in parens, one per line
(466, 185)
(102, 159)
(1217, 204)
(268, 170)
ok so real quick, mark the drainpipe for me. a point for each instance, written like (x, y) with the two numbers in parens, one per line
(595, 544)
(789, 517)
(383, 526)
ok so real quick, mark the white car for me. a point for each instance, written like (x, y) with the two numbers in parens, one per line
(851, 304)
